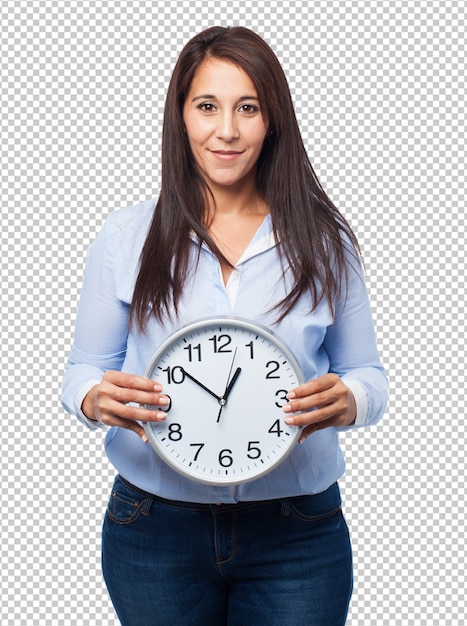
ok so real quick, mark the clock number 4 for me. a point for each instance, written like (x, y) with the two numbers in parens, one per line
(276, 429)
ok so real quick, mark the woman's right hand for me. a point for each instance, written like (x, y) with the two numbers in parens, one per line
(108, 402)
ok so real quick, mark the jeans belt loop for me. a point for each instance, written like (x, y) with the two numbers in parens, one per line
(285, 507)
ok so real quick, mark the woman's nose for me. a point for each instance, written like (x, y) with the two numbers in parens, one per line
(227, 128)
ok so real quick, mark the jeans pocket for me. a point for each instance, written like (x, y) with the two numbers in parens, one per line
(126, 504)
(301, 508)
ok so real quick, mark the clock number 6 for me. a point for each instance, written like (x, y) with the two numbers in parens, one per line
(224, 458)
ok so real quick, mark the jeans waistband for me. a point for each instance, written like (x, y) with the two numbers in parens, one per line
(316, 503)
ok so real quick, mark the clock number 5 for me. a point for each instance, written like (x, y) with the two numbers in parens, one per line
(254, 452)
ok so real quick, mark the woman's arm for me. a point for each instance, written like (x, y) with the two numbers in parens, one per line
(354, 393)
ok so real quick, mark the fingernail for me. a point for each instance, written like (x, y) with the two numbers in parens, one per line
(287, 408)
(161, 416)
(291, 395)
(144, 438)
(157, 387)
(290, 421)
(164, 400)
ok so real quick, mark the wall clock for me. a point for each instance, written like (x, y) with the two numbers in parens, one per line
(227, 380)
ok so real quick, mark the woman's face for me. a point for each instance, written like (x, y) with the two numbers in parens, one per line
(224, 123)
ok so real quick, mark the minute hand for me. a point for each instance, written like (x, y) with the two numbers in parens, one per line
(188, 375)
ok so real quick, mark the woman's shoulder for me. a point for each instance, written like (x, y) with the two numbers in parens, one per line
(131, 219)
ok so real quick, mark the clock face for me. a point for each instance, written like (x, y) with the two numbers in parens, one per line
(227, 380)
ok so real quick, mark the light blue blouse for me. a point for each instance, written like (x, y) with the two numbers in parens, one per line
(344, 345)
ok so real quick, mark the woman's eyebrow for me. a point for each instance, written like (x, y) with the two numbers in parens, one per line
(208, 96)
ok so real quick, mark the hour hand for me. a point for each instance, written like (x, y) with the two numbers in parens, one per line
(223, 400)
(232, 383)
(188, 375)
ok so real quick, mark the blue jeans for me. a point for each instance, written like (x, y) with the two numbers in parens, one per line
(281, 562)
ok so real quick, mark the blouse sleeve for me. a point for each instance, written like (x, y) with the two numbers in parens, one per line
(351, 345)
(101, 326)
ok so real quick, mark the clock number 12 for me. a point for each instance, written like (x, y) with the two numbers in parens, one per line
(221, 343)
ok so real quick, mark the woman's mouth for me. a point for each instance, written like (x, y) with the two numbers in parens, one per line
(226, 155)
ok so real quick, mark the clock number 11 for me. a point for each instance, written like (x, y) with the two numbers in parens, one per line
(191, 351)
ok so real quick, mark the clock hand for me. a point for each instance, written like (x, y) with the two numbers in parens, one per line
(232, 383)
(228, 389)
(201, 385)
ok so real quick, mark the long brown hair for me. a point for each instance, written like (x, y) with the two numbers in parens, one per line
(314, 237)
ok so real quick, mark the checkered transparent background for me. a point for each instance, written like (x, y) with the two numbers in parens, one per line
(379, 92)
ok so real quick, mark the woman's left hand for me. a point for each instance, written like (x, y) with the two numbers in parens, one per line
(324, 402)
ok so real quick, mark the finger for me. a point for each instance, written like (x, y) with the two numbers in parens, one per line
(126, 395)
(315, 416)
(317, 385)
(112, 411)
(131, 381)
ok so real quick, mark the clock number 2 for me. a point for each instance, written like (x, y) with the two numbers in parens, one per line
(272, 367)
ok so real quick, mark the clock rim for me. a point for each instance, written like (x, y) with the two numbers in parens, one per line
(205, 322)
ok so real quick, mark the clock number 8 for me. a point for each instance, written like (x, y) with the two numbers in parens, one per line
(175, 432)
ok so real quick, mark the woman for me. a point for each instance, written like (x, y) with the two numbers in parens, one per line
(241, 227)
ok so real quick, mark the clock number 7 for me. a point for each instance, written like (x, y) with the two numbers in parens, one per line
(200, 446)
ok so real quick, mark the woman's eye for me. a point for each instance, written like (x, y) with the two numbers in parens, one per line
(249, 108)
(207, 106)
